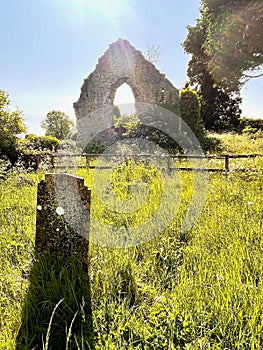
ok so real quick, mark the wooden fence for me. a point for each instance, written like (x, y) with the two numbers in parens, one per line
(66, 161)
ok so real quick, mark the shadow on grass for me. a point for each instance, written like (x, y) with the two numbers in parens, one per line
(211, 144)
(57, 311)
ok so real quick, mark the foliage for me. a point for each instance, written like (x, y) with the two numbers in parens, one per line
(11, 125)
(159, 137)
(94, 147)
(239, 143)
(31, 150)
(253, 132)
(234, 39)
(219, 106)
(4, 165)
(250, 125)
(41, 143)
(57, 124)
(196, 291)
(68, 146)
(55, 279)
(129, 126)
(190, 111)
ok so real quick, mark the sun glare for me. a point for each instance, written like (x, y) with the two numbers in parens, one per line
(109, 9)
(79, 11)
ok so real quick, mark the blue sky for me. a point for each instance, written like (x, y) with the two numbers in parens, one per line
(49, 46)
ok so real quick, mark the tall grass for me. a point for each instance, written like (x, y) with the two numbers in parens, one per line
(240, 143)
(198, 290)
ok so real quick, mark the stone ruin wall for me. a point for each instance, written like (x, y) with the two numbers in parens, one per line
(121, 63)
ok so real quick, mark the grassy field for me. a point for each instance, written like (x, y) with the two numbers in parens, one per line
(239, 143)
(201, 289)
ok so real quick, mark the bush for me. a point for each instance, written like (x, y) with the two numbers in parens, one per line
(190, 112)
(32, 150)
(11, 126)
(95, 147)
(250, 125)
(42, 143)
(130, 126)
(253, 133)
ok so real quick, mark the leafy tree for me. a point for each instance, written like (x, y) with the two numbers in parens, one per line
(33, 149)
(95, 147)
(251, 125)
(11, 125)
(57, 124)
(234, 40)
(219, 106)
(127, 125)
(130, 126)
(41, 143)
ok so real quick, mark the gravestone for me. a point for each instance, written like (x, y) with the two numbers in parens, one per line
(63, 216)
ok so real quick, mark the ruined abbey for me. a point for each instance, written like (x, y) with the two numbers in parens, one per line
(121, 63)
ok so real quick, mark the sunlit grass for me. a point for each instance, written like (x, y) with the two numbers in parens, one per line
(201, 289)
(239, 144)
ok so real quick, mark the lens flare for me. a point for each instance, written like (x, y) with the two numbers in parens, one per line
(235, 44)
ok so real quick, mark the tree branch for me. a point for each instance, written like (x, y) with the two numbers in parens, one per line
(252, 76)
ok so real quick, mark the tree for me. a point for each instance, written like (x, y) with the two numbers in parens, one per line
(32, 150)
(57, 124)
(41, 143)
(234, 41)
(219, 106)
(130, 126)
(11, 125)
(152, 53)
(190, 111)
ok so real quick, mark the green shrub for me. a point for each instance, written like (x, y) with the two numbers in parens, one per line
(190, 111)
(42, 143)
(33, 149)
(250, 125)
(94, 147)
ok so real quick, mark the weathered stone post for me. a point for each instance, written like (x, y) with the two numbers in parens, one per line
(59, 273)
(63, 216)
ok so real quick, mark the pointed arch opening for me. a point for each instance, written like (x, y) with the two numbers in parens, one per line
(125, 100)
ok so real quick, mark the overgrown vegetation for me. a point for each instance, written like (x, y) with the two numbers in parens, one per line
(33, 149)
(234, 143)
(11, 126)
(197, 290)
(251, 126)
(190, 112)
(27, 152)
(220, 107)
(225, 53)
(57, 124)
(235, 48)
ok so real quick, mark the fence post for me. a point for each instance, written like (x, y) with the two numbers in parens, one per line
(87, 161)
(226, 162)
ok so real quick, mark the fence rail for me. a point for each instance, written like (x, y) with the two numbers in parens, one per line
(58, 161)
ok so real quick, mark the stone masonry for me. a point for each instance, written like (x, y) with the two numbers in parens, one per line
(120, 64)
(63, 216)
